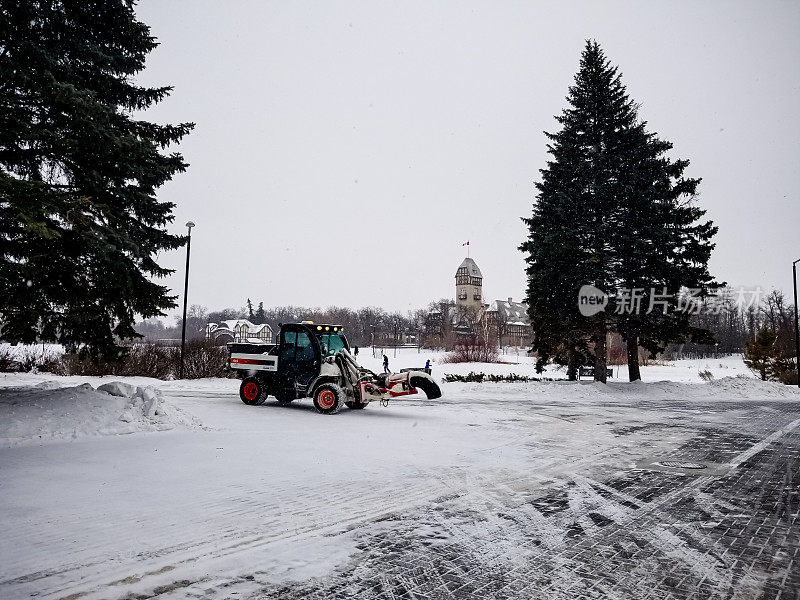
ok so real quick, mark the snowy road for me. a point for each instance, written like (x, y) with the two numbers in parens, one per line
(499, 490)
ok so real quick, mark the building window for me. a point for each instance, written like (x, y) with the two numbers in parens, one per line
(462, 295)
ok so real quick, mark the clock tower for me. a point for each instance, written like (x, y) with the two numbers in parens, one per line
(469, 285)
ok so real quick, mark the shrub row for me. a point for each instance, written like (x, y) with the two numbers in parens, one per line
(30, 358)
(473, 377)
(201, 359)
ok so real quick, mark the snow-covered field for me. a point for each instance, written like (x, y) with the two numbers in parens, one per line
(206, 495)
(516, 361)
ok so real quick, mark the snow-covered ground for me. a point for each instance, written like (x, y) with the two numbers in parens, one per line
(210, 493)
(516, 361)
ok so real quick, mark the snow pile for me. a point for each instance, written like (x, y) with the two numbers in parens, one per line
(116, 388)
(750, 387)
(48, 412)
(726, 389)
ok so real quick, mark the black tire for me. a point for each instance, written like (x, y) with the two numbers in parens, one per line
(252, 391)
(328, 398)
(429, 386)
(355, 405)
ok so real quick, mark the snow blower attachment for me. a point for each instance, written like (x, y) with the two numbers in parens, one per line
(314, 361)
(385, 386)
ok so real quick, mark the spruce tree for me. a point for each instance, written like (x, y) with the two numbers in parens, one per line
(760, 354)
(570, 229)
(261, 315)
(614, 212)
(80, 224)
(661, 247)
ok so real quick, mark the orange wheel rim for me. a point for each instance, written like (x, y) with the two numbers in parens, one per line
(250, 391)
(326, 399)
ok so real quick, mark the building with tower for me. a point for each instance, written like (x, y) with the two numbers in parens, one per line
(469, 285)
(468, 318)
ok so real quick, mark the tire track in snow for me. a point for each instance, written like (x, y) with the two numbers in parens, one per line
(246, 532)
(238, 539)
(494, 517)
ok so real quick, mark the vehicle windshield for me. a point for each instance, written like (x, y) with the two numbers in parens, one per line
(331, 342)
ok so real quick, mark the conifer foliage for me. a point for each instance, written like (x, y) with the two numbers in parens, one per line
(80, 224)
(760, 354)
(769, 358)
(614, 211)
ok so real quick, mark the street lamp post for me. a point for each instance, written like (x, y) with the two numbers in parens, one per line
(796, 324)
(185, 294)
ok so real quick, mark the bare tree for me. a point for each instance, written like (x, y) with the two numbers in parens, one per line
(416, 324)
(439, 323)
(500, 322)
(196, 322)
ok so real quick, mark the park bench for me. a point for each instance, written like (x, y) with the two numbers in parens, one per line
(589, 372)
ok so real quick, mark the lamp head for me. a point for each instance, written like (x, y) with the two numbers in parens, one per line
(189, 224)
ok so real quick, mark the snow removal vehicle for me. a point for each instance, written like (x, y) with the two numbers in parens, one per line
(312, 360)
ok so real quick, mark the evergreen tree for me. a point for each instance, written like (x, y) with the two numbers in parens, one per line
(760, 353)
(570, 229)
(80, 225)
(261, 315)
(660, 248)
(250, 315)
(611, 211)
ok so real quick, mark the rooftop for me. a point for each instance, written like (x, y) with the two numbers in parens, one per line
(471, 267)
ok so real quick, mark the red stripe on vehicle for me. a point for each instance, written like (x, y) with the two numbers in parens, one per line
(251, 361)
(408, 393)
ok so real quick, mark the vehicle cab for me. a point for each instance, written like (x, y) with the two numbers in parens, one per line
(302, 350)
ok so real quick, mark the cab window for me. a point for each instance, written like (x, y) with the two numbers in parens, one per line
(305, 351)
(331, 342)
(287, 345)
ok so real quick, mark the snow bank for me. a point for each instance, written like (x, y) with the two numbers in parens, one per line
(48, 412)
(116, 388)
(589, 392)
(749, 387)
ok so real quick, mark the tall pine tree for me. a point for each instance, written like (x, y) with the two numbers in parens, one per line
(261, 314)
(612, 211)
(250, 314)
(80, 224)
(661, 246)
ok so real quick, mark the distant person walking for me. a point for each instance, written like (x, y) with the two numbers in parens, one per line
(355, 352)
(428, 364)
(386, 364)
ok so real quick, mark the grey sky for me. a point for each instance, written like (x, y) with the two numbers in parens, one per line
(345, 150)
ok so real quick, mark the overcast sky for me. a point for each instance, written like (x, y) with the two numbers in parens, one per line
(344, 151)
